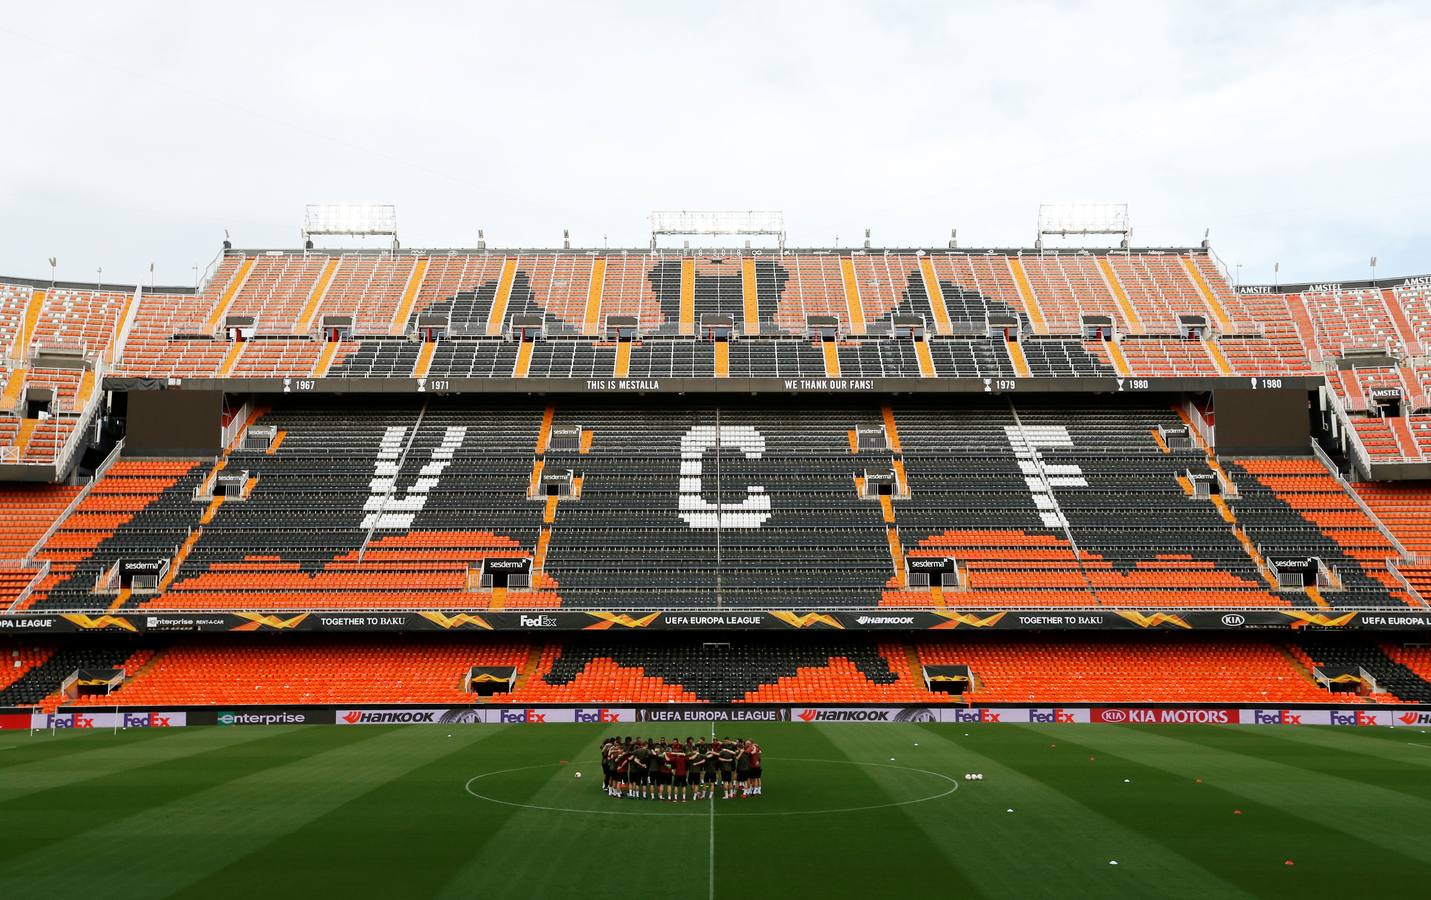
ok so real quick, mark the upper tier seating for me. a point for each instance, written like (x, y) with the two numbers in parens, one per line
(289, 294)
(1148, 356)
(395, 507)
(1405, 508)
(1295, 508)
(29, 511)
(367, 288)
(79, 319)
(140, 508)
(277, 290)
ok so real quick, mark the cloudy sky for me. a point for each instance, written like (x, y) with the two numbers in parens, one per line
(137, 132)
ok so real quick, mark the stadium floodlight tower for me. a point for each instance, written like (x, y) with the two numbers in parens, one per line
(1070, 219)
(688, 222)
(349, 220)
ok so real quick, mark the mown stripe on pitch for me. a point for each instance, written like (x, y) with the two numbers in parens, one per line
(853, 854)
(403, 838)
(50, 815)
(30, 747)
(532, 853)
(92, 758)
(205, 831)
(1250, 849)
(1321, 821)
(1058, 841)
(1340, 754)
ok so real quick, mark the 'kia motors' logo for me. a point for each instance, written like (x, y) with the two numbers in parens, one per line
(1233, 620)
(1114, 715)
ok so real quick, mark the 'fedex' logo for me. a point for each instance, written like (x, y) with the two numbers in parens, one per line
(521, 716)
(71, 720)
(1352, 717)
(145, 720)
(1276, 717)
(597, 715)
(975, 715)
(1050, 715)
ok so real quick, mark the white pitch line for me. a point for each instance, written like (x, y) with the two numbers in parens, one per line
(953, 786)
(1412, 744)
(712, 817)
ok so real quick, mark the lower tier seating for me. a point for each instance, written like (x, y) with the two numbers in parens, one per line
(843, 669)
(1052, 669)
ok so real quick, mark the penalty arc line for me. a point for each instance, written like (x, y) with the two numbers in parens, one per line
(953, 786)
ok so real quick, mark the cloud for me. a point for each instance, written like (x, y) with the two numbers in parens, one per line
(1294, 131)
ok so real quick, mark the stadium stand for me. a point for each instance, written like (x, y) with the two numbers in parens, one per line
(1042, 669)
(746, 670)
(843, 669)
(1029, 496)
(1035, 500)
(325, 671)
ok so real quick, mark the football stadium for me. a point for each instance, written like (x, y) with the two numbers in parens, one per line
(715, 561)
(413, 531)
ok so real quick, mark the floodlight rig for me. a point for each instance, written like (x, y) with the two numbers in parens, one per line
(687, 222)
(349, 220)
(1068, 219)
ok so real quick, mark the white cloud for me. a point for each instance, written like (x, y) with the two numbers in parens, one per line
(137, 132)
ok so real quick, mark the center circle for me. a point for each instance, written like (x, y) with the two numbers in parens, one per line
(948, 784)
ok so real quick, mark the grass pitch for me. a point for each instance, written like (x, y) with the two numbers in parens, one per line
(849, 811)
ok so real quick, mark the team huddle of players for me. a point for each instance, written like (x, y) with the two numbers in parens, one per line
(653, 769)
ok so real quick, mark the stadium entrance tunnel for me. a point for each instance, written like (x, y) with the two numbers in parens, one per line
(951, 679)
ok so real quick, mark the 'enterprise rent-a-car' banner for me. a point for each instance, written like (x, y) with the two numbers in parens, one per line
(773, 620)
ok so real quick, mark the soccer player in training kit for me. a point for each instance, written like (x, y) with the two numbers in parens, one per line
(674, 772)
(678, 758)
(725, 760)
